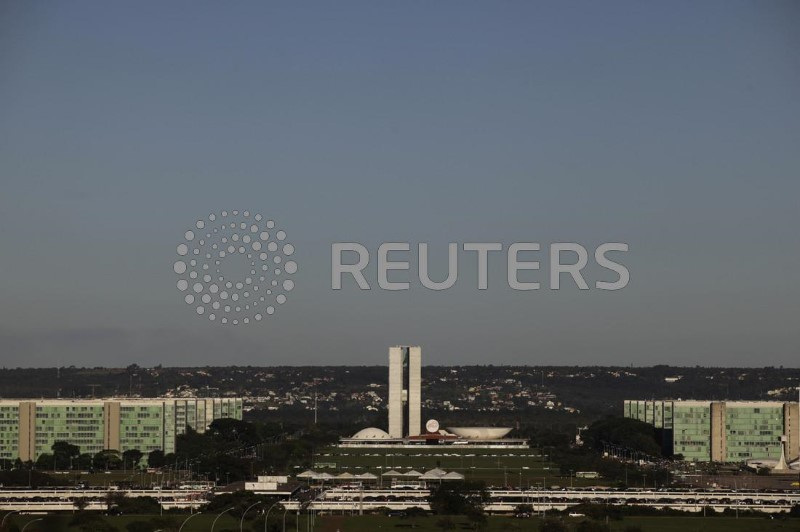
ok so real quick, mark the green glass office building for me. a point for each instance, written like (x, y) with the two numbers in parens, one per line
(29, 428)
(722, 431)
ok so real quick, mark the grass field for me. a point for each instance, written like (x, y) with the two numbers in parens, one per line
(497, 524)
(370, 523)
(497, 467)
(199, 523)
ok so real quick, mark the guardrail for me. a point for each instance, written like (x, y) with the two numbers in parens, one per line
(60, 500)
(506, 501)
(343, 499)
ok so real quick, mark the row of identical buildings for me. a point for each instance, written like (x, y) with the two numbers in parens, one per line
(722, 431)
(29, 427)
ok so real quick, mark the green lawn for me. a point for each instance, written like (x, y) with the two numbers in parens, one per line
(498, 467)
(371, 523)
(199, 523)
(708, 524)
(498, 524)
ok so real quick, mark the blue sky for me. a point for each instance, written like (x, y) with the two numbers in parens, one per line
(673, 127)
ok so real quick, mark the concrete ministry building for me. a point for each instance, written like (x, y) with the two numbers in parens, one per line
(722, 431)
(29, 427)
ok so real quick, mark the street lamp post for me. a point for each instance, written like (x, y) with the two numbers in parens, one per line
(266, 519)
(241, 521)
(284, 519)
(540, 500)
(29, 523)
(184, 521)
(300, 508)
(3, 522)
(218, 516)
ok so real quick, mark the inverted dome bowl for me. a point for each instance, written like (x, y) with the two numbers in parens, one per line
(480, 433)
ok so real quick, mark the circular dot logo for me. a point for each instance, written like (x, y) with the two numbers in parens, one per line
(235, 268)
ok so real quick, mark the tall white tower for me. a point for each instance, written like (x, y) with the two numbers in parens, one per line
(405, 389)
(396, 392)
(414, 391)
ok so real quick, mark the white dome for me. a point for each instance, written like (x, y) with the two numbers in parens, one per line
(371, 433)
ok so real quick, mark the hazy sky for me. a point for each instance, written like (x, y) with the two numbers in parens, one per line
(672, 126)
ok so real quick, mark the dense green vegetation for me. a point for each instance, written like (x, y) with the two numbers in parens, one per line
(228, 451)
(629, 433)
(632, 435)
(234, 450)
